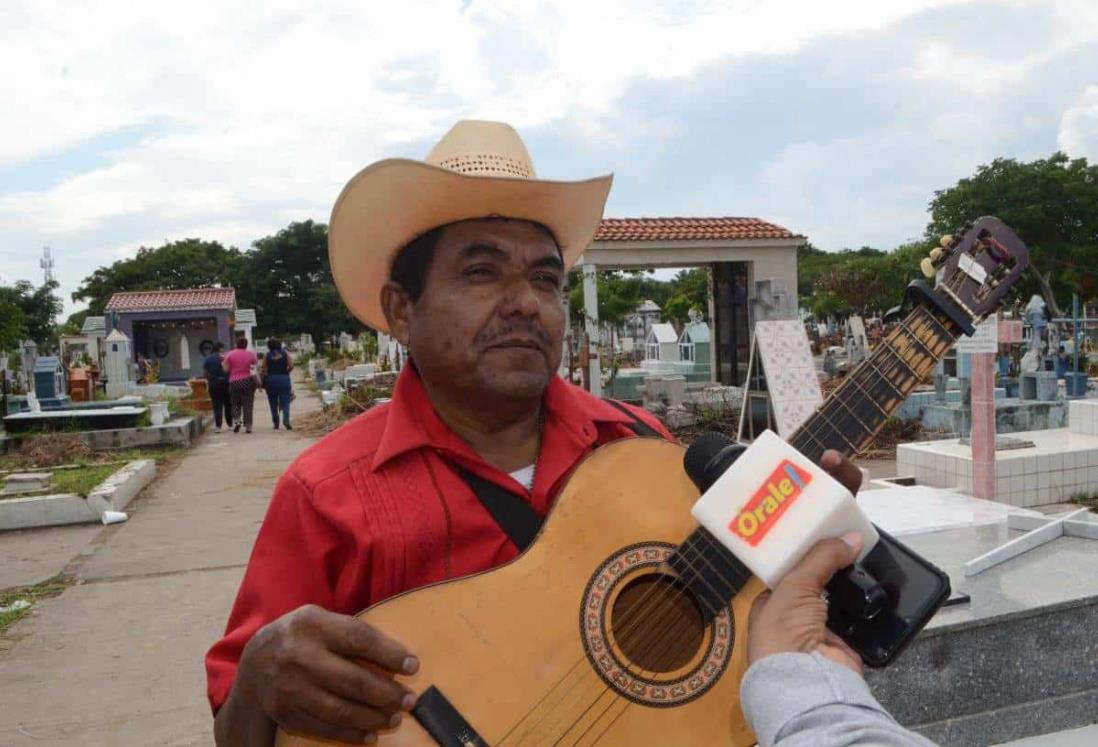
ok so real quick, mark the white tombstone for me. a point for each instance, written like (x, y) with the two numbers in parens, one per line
(29, 354)
(857, 344)
(119, 364)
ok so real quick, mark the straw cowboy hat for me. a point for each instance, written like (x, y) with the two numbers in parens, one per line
(477, 170)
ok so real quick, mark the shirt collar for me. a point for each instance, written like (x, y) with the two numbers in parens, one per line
(412, 422)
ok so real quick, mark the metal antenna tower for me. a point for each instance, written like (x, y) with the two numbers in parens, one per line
(46, 263)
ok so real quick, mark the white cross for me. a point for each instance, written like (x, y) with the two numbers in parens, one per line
(1038, 531)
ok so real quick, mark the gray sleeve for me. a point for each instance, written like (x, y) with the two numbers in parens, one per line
(807, 700)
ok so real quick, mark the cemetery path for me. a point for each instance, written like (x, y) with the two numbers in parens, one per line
(116, 659)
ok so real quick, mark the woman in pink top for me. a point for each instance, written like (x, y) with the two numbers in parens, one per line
(238, 364)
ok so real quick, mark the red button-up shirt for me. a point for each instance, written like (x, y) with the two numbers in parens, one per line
(376, 508)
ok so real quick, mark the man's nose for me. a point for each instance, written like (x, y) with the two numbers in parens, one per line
(520, 299)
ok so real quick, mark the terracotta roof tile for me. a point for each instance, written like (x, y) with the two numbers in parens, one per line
(689, 229)
(173, 300)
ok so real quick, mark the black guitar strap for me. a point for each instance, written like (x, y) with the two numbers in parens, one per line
(515, 516)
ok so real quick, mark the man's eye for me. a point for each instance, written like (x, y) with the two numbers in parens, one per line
(548, 278)
(478, 272)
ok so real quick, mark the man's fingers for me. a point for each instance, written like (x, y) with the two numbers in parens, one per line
(828, 556)
(842, 469)
(756, 608)
(355, 639)
(360, 684)
(344, 714)
(303, 722)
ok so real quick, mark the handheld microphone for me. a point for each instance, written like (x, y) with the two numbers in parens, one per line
(769, 505)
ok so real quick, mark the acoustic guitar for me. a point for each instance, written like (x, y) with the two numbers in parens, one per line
(625, 623)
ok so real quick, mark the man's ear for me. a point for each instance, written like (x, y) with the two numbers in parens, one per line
(397, 307)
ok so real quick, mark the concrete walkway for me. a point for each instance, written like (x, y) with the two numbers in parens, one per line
(117, 658)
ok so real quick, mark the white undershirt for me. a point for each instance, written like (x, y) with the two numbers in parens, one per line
(524, 476)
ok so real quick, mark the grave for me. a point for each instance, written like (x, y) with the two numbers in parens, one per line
(94, 418)
(1061, 463)
(42, 508)
(128, 401)
(49, 382)
(26, 483)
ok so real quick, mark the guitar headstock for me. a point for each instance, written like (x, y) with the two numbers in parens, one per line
(978, 267)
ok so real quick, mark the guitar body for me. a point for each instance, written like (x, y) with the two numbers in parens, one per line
(525, 652)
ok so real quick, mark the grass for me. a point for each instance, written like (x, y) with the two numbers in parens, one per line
(19, 463)
(48, 588)
(1086, 500)
(81, 481)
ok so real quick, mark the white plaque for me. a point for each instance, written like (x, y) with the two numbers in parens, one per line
(984, 340)
(790, 373)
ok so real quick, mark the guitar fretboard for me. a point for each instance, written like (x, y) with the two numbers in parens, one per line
(868, 396)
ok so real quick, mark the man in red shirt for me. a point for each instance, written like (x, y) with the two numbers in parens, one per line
(380, 506)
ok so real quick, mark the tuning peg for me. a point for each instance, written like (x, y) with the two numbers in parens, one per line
(947, 240)
(927, 266)
(936, 254)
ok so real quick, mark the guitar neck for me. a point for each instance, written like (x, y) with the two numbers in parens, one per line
(859, 407)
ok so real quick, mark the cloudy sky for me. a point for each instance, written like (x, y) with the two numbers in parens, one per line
(128, 124)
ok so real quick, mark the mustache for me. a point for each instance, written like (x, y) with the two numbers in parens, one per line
(513, 330)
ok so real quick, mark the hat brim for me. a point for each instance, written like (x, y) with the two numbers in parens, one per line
(391, 202)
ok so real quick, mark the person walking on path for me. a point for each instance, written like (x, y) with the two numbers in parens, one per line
(275, 375)
(238, 364)
(218, 383)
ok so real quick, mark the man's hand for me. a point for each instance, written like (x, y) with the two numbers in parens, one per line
(793, 618)
(323, 674)
(842, 469)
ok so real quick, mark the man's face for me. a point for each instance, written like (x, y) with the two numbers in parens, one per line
(489, 323)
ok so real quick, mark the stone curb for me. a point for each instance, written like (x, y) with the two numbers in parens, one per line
(113, 494)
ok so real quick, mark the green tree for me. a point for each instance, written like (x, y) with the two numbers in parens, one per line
(677, 309)
(288, 281)
(190, 263)
(693, 285)
(1053, 205)
(35, 309)
(12, 322)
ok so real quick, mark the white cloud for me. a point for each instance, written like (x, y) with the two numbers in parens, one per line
(254, 114)
(1079, 126)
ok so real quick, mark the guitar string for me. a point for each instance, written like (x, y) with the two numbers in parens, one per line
(667, 638)
(639, 606)
(633, 619)
(640, 610)
(658, 624)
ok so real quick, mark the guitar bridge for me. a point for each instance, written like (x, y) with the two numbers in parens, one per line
(438, 716)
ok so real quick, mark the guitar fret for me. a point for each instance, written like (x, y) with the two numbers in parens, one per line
(884, 378)
(868, 397)
(901, 359)
(915, 338)
(865, 401)
(854, 415)
(822, 412)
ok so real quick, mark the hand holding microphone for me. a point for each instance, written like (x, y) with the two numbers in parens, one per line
(864, 596)
(793, 617)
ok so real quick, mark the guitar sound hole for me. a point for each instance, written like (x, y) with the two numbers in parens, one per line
(657, 624)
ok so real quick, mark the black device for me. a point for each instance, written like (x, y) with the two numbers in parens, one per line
(878, 605)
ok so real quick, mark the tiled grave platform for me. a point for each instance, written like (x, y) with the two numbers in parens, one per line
(1021, 657)
(1011, 416)
(1062, 463)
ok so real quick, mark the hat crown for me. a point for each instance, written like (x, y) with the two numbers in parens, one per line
(478, 148)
